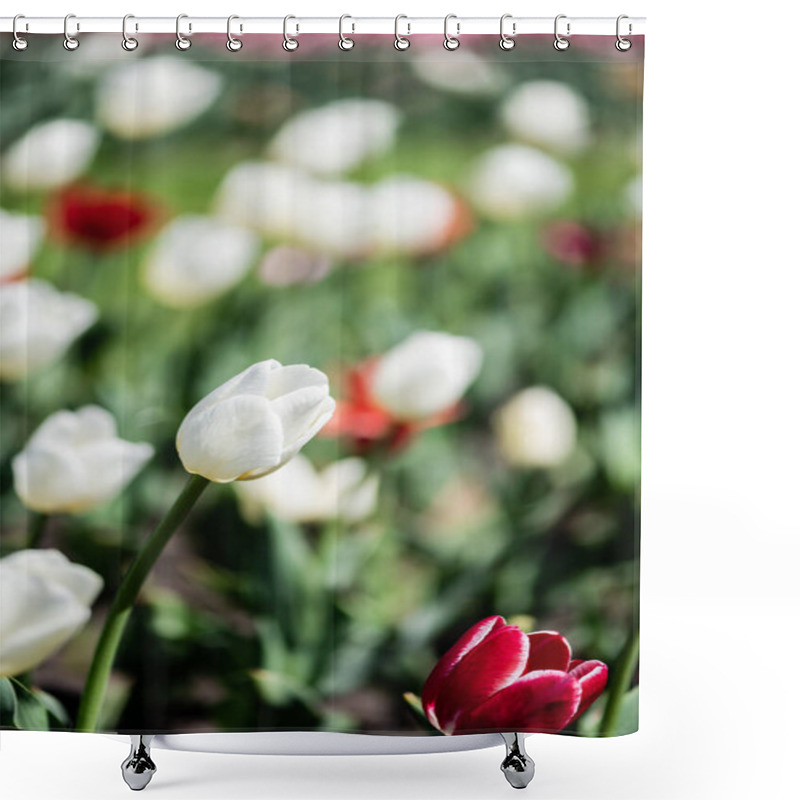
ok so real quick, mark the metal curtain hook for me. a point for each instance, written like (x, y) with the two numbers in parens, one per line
(451, 42)
(71, 42)
(623, 45)
(233, 44)
(129, 43)
(401, 42)
(560, 42)
(506, 42)
(181, 42)
(19, 43)
(290, 44)
(345, 43)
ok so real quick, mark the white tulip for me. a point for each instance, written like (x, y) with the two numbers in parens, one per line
(75, 461)
(548, 113)
(37, 324)
(20, 235)
(411, 215)
(263, 196)
(466, 73)
(426, 374)
(154, 96)
(535, 428)
(337, 137)
(255, 422)
(44, 600)
(634, 196)
(285, 266)
(334, 218)
(50, 155)
(195, 259)
(298, 492)
(512, 181)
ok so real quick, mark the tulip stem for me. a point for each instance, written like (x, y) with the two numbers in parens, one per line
(620, 682)
(37, 522)
(121, 607)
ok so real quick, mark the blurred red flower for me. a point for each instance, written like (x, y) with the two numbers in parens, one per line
(574, 244)
(99, 218)
(497, 678)
(368, 426)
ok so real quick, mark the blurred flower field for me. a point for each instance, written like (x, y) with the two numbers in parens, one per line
(451, 241)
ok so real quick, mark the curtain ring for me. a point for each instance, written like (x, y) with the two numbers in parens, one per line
(451, 42)
(71, 42)
(345, 43)
(506, 42)
(129, 43)
(19, 43)
(290, 44)
(233, 44)
(560, 42)
(401, 42)
(181, 42)
(623, 45)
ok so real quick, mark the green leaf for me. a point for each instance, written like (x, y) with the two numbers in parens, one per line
(54, 707)
(31, 714)
(8, 702)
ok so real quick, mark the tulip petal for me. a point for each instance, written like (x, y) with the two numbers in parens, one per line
(495, 663)
(540, 702)
(592, 677)
(293, 377)
(254, 380)
(467, 642)
(238, 437)
(548, 650)
(302, 414)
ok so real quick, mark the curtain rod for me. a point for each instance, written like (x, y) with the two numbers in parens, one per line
(407, 26)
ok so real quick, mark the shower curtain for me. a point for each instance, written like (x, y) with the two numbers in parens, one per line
(320, 384)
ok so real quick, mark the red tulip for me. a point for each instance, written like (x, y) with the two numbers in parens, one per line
(573, 244)
(99, 218)
(497, 678)
(362, 420)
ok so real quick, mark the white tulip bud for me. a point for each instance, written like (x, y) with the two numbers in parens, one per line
(37, 324)
(154, 96)
(75, 461)
(50, 155)
(466, 73)
(412, 215)
(255, 422)
(549, 114)
(196, 259)
(512, 181)
(337, 137)
(535, 428)
(20, 235)
(299, 493)
(44, 600)
(425, 375)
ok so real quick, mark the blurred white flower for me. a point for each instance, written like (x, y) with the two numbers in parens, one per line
(50, 155)
(412, 215)
(334, 218)
(154, 96)
(255, 422)
(75, 461)
(286, 266)
(263, 196)
(425, 375)
(633, 196)
(44, 600)
(298, 492)
(548, 113)
(20, 235)
(195, 259)
(37, 324)
(337, 137)
(511, 181)
(465, 73)
(535, 428)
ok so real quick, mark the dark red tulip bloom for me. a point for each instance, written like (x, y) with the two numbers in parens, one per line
(368, 426)
(100, 218)
(497, 678)
(574, 244)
